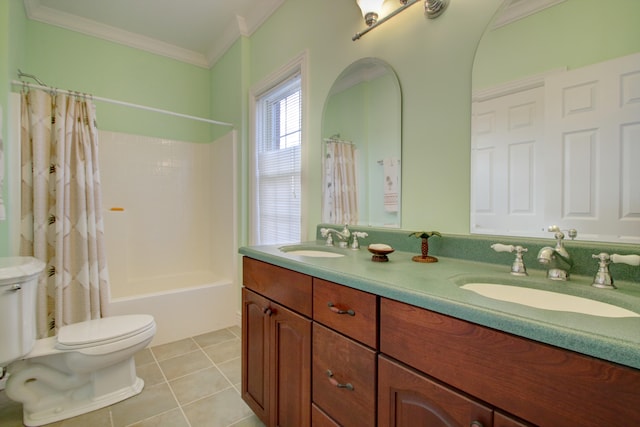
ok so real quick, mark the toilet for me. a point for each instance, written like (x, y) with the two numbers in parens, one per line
(87, 366)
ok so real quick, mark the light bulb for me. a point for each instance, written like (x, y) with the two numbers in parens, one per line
(370, 10)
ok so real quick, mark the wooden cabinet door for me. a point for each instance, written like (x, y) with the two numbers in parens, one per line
(290, 369)
(276, 362)
(409, 399)
(504, 420)
(320, 419)
(255, 353)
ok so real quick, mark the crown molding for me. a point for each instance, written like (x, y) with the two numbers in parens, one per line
(241, 26)
(513, 10)
(37, 12)
(515, 86)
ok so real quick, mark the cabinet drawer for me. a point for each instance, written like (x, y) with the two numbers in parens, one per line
(344, 378)
(287, 287)
(539, 383)
(349, 311)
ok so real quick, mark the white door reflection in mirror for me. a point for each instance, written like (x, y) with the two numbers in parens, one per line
(568, 157)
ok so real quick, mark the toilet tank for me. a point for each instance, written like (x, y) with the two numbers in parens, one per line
(18, 283)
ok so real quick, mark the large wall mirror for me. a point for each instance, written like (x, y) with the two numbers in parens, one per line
(556, 120)
(361, 137)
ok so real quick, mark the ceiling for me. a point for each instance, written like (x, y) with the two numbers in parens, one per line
(193, 31)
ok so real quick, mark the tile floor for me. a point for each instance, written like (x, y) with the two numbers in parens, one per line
(188, 383)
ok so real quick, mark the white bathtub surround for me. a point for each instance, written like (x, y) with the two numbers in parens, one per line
(170, 228)
(183, 312)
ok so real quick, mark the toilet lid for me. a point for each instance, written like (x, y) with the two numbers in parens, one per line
(103, 330)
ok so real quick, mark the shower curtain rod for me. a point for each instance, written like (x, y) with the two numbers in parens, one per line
(113, 101)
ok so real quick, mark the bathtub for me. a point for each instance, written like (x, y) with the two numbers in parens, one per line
(183, 306)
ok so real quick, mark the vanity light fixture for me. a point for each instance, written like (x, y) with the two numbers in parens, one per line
(371, 11)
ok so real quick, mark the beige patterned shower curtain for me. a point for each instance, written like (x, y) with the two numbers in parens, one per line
(340, 190)
(62, 209)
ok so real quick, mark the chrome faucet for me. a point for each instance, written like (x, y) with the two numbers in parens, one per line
(343, 235)
(603, 277)
(557, 260)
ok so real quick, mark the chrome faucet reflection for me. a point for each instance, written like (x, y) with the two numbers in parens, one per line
(557, 260)
(343, 235)
(347, 237)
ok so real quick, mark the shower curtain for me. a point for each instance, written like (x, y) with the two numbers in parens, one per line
(61, 208)
(340, 191)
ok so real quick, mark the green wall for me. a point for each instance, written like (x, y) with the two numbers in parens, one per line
(571, 34)
(71, 60)
(12, 56)
(432, 58)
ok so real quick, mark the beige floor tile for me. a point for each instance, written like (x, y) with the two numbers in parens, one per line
(198, 385)
(150, 374)
(167, 351)
(185, 364)
(98, 418)
(224, 351)
(153, 400)
(252, 421)
(10, 412)
(143, 357)
(216, 337)
(219, 410)
(172, 418)
(232, 369)
(236, 331)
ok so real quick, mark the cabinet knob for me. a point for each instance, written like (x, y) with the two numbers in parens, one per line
(335, 382)
(475, 424)
(267, 311)
(336, 310)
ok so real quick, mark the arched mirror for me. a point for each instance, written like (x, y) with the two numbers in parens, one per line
(556, 120)
(361, 137)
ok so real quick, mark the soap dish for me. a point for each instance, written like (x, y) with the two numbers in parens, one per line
(380, 252)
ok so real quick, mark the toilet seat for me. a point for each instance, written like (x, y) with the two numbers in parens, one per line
(100, 332)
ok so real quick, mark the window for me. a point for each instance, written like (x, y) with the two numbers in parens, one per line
(276, 201)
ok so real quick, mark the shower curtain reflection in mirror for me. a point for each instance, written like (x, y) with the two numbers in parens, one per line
(340, 189)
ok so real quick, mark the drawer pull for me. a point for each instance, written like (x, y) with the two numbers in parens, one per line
(267, 311)
(475, 424)
(336, 310)
(335, 382)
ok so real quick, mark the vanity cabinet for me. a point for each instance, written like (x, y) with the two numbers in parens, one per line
(276, 344)
(322, 354)
(541, 384)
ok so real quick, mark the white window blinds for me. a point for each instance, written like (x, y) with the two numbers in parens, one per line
(277, 207)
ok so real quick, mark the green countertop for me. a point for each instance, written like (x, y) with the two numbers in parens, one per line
(436, 287)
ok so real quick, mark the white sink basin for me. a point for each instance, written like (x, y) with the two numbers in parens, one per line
(311, 252)
(547, 300)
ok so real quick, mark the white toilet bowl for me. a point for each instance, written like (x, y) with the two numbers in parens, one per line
(87, 366)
